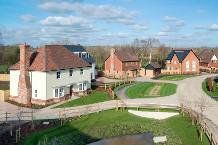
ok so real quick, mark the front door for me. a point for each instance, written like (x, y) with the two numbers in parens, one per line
(71, 90)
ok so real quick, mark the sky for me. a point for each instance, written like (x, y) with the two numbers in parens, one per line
(175, 23)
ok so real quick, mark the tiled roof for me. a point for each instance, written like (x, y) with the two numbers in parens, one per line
(125, 56)
(180, 53)
(54, 57)
(207, 56)
(155, 65)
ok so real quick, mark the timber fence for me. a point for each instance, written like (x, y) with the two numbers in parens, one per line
(4, 77)
(206, 125)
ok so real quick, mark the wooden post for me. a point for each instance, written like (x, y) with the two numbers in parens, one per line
(113, 95)
(98, 108)
(124, 81)
(59, 114)
(192, 120)
(16, 135)
(210, 136)
(197, 118)
(117, 107)
(79, 111)
(32, 119)
(119, 83)
(190, 111)
(201, 131)
(181, 108)
(6, 116)
(130, 80)
(61, 121)
(115, 84)
(137, 107)
(204, 126)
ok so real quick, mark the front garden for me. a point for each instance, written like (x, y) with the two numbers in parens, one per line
(209, 89)
(151, 90)
(176, 77)
(96, 97)
(111, 123)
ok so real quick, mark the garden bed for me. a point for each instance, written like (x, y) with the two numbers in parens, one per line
(26, 130)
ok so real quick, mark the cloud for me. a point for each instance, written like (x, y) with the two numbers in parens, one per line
(214, 27)
(201, 11)
(167, 18)
(27, 18)
(140, 26)
(109, 14)
(64, 21)
(180, 23)
(103, 28)
(119, 35)
(161, 34)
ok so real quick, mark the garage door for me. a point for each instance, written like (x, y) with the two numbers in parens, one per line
(149, 73)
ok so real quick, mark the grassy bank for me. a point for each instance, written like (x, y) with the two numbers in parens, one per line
(177, 77)
(144, 89)
(111, 123)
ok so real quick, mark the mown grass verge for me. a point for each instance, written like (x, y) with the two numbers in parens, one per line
(177, 77)
(144, 89)
(111, 123)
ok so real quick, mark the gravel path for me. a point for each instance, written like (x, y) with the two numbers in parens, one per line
(121, 91)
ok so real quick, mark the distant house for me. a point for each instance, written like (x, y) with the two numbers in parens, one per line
(152, 68)
(183, 60)
(48, 75)
(122, 63)
(208, 60)
(82, 53)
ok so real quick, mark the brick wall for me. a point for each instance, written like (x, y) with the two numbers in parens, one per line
(213, 64)
(108, 63)
(172, 63)
(126, 68)
(203, 64)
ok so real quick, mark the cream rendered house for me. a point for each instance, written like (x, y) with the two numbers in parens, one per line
(50, 74)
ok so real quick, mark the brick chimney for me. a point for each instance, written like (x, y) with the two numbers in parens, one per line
(77, 43)
(24, 87)
(112, 51)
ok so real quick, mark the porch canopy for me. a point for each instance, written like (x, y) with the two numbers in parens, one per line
(132, 68)
(58, 87)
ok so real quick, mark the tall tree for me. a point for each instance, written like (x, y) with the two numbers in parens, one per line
(62, 42)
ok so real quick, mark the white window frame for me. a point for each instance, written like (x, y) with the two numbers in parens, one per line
(80, 54)
(168, 61)
(169, 68)
(172, 68)
(87, 55)
(35, 93)
(59, 74)
(187, 65)
(82, 87)
(71, 74)
(59, 93)
(174, 62)
(193, 66)
(81, 71)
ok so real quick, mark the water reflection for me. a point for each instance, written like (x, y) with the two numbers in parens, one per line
(138, 139)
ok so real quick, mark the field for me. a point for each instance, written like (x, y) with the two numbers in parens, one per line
(144, 89)
(111, 123)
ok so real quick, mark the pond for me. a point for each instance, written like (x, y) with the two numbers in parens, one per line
(4, 85)
(138, 139)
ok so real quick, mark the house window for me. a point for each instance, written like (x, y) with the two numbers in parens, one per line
(174, 62)
(187, 65)
(36, 93)
(84, 55)
(71, 73)
(82, 86)
(127, 73)
(80, 55)
(169, 68)
(87, 55)
(126, 63)
(178, 68)
(193, 66)
(135, 63)
(213, 61)
(117, 72)
(168, 61)
(81, 72)
(58, 74)
(175, 68)
(130, 62)
(172, 68)
(56, 93)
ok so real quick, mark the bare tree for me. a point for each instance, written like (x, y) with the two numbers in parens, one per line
(62, 42)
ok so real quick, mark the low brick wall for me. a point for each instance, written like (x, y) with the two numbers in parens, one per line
(4, 95)
(4, 77)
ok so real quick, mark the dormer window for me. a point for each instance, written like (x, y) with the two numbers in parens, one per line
(213, 61)
(58, 74)
(87, 55)
(84, 55)
(80, 55)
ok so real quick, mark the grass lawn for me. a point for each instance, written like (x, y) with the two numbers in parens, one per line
(95, 98)
(204, 87)
(111, 123)
(176, 77)
(165, 90)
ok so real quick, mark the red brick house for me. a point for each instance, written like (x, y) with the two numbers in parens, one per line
(48, 75)
(208, 60)
(184, 60)
(122, 63)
